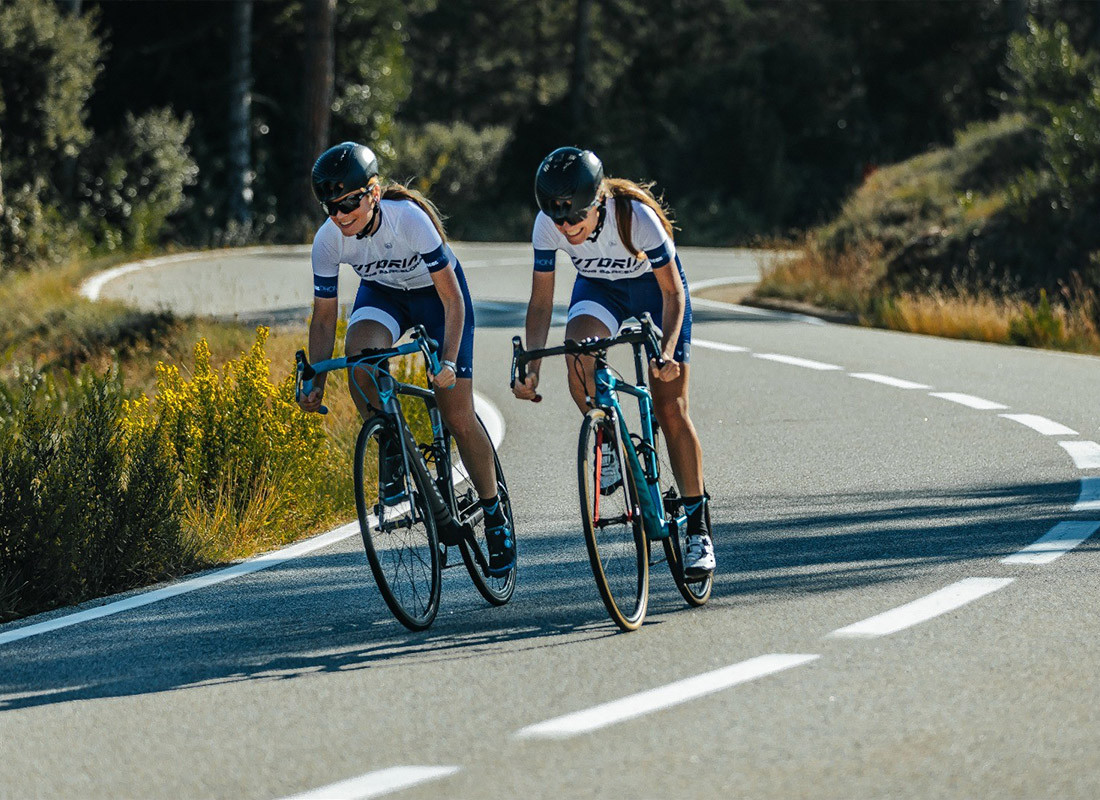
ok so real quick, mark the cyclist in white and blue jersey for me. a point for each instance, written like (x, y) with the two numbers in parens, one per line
(619, 238)
(393, 239)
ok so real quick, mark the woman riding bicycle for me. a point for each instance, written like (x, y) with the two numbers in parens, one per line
(393, 238)
(619, 238)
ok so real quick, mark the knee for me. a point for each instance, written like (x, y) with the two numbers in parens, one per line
(459, 424)
(672, 413)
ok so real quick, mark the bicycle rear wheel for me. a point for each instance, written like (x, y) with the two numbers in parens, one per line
(695, 592)
(496, 589)
(399, 533)
(613, 532)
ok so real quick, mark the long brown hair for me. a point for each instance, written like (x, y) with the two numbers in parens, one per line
(399, 191)
(623, 191)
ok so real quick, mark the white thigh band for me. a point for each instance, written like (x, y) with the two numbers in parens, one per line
(591, 308)
(375, 315)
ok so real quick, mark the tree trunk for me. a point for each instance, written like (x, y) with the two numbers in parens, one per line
(319, 68)
(240, 115)
(578, 84)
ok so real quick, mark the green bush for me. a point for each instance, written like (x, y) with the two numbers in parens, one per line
(88, 505)
(48, 64)
(132, 180)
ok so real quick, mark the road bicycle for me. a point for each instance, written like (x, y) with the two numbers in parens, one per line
(621, 521)
(415, 500)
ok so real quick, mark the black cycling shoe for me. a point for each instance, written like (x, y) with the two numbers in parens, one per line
(502, 550)
(391, 474)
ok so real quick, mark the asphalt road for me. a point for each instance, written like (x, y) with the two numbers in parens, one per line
(875, 630)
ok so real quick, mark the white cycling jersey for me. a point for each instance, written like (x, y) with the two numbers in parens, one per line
(606, 257)
(402, 254)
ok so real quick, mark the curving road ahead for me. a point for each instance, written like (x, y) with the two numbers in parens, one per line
(906, 604)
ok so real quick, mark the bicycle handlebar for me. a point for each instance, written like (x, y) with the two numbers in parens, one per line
(644, 334)
(307, 373)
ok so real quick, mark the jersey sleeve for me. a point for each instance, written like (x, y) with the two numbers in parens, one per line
(544, 240)
(650, 235)
(325, 257)
(423, 237)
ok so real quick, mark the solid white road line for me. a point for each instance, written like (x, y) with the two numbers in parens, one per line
(886, 379)
(947, 599)
(795, 362)
(662, 697)
(701, 302)
(1045, 426)
(1089, 499)
(707, 283)
(968, 400)
(210, 579)
(376, 784)
(489, 414)
(1085, 455)
(727, 348)
(1062, 538)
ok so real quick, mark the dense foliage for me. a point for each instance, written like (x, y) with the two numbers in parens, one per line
(753, 117)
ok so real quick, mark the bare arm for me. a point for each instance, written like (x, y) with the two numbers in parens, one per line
(672, 317)
(322, 337)
(454, 317)
(539, 310)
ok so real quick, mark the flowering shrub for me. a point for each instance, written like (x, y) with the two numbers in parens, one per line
(255, 471)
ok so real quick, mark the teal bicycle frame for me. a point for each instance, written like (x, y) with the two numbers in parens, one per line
(644, 469)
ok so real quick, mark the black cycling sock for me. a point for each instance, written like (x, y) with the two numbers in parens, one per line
(494, 514)
(694, 508)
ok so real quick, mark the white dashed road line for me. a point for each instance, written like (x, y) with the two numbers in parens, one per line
(940, 602)
(662, 697)
(897, 383)
(1085, 455)
(1062, 538)
(1045, 426)
(796, 362)
(376, 784)
(1089, 499)
(728, 348)
(969, 400)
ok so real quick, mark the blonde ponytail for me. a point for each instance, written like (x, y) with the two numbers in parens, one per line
(624, 192)
(398, 191)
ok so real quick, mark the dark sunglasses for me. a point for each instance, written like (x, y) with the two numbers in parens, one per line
(345, 205)
(572, 219)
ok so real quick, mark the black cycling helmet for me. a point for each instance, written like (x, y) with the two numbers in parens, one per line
(566, 184)
(342, 169)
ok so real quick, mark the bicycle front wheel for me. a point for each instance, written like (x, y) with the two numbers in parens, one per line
(612, 521)
(398, 526)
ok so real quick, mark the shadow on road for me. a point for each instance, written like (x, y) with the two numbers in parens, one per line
(321, 613)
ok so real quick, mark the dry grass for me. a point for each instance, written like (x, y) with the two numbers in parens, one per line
(844, 283)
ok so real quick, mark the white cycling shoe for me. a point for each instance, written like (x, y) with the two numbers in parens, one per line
(698, 557)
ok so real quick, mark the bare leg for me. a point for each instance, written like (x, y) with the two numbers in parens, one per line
(361, 335)
(457, 407)
(582, 369)
(670, 403)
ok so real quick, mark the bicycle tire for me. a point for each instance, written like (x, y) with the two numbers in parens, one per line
(496, 589)
(404, 559)
(616, 543)
(697, 592)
